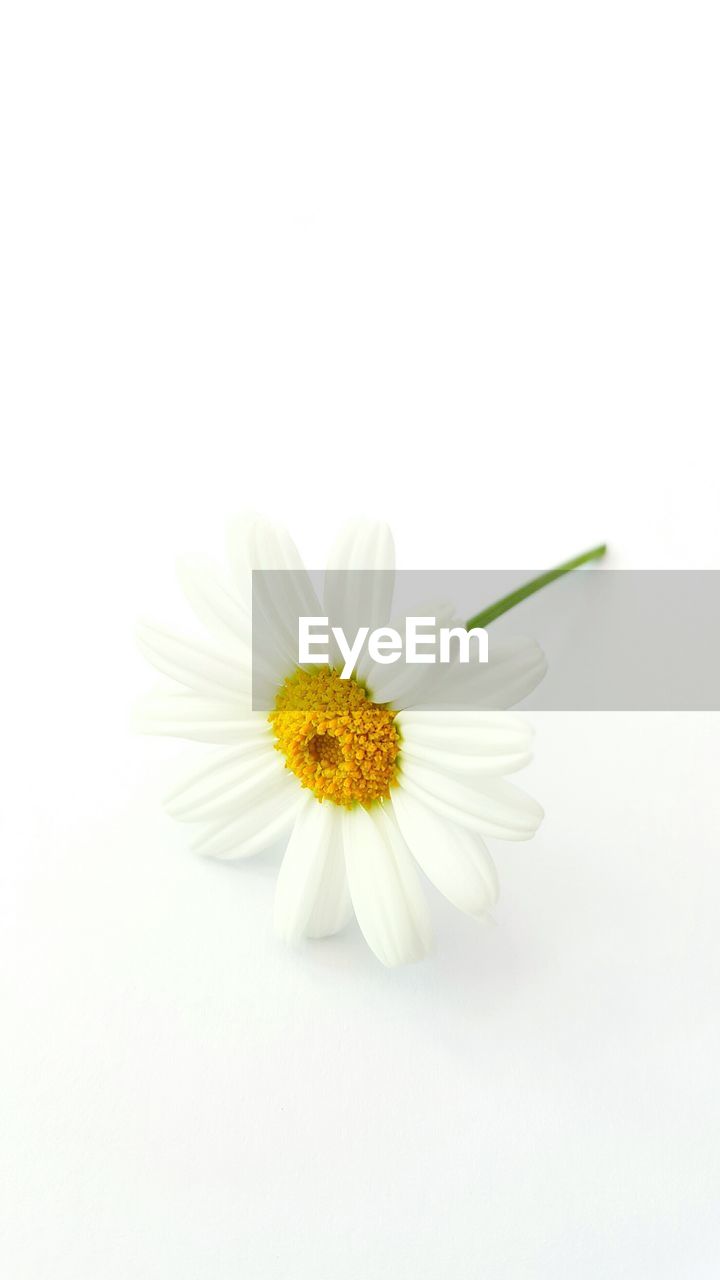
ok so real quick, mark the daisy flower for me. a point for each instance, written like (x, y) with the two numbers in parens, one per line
(367, 779)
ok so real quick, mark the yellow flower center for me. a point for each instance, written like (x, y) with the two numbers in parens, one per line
(337, 742)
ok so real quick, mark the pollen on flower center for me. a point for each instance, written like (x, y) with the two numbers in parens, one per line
(338, 743)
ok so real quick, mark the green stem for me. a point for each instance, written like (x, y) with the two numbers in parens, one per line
(494, 611)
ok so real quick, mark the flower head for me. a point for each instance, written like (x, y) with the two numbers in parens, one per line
(363, 777)
(339, 743)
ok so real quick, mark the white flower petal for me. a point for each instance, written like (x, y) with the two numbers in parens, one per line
(257, 744)
(467, 743)
(312, 897)
(515, 667)
(333, 906)
(255, 543)
(364, 544)
(360, 582)
(491, 808)
(455, 860)
(227, 789)
(216, 606)
(193, 663)
(465, 730)
(465, 766)
(404, 685)
(384, 887)
(259, 826)
(198, 718)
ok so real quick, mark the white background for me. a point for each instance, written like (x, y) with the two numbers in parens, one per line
(459, 266)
